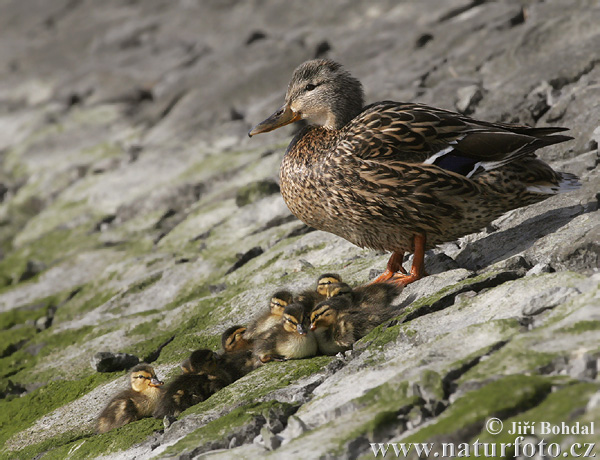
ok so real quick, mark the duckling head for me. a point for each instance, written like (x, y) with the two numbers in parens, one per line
(320, 92)
(279, 301)
(232, 339)
(325, 281)
(143, 377)
(323, 315)
(200, 361)
(294, 319)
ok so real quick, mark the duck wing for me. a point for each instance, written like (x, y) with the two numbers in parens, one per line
(390, 132)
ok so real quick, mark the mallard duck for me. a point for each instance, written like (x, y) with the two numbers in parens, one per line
(265, 322)
(233, 339)
(289, 339)
(402, 177)
(134, 403)
(340, 321)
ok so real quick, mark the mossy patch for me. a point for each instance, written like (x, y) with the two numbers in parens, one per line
(261, 381)
(223, 427)
(502, 398)
(20, 413)
(513, 358)
(88, 445)
(48, 249)
(254, 191)
(561, 406)
(581, 326)
(144, 284)
(21, 365)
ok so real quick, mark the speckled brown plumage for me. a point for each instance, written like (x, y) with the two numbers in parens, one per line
(402, 176)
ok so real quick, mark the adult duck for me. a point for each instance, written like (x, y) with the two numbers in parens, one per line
(402, 177)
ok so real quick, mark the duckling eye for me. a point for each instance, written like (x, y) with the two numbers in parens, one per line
(310, 87)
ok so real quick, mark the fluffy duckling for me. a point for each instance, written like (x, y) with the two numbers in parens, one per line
(237, 363)
(377, 295)
(339, 321)
(233, 339)
(134, 403)
(291, 338)
(191, 387)
(265, 322)
(312, 297)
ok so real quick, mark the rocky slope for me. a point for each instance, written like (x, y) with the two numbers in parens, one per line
(136, 216)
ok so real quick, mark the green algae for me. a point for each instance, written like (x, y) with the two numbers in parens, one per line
(50, 248)
(381, 406)
(564, 405)
(20, 413)
(502, 398)
(254, 191)
(76, 445)
(514, 357)
(21, 365)
(144, 284)
(581, 326)
(260, 382)
(225, 426)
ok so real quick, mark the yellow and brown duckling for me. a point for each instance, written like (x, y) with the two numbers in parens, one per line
(204, 373)
(310, 298)
(233, 339)
(340, 321)
(402, 177)
(269, 319)
(137, 402)
(200, 379)
(375, 295)
(291, 338)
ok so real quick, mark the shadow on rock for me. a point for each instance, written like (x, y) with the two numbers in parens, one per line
(506, 243)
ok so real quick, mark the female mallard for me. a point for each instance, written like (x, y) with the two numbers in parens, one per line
(401, 176)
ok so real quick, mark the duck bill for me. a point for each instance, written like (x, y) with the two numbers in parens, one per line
(313, 326)
(284, 116)
(155, 382)
(186, 366)
(301, 329)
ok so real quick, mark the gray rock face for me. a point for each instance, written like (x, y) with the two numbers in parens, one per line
(137, 218)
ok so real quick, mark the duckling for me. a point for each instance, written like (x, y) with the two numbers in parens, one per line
(134, 403)
(339, 321)
(207, 362)
(289, 339)
(237, 363)
(191, 387)
(379, 295)
(233, 339)
(185, 391)
(271, 318)
(311, 298)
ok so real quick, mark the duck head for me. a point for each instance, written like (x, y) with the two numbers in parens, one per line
(320, 92)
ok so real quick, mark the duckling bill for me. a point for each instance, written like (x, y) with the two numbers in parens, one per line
(137, 402)
(289, 339)
(340, 321)
(270, 318)
(402, 177)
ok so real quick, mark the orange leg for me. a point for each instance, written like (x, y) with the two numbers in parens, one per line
(417, 271)
(394, 266)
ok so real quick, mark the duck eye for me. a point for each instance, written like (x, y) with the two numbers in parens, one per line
(310, 87)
